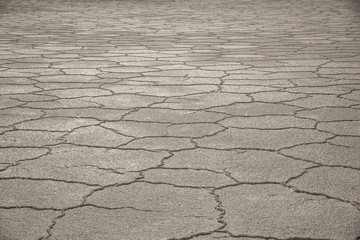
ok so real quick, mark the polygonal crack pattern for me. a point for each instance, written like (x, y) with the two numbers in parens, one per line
(157, 119)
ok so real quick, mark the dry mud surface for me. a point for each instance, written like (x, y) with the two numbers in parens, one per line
(179, 119)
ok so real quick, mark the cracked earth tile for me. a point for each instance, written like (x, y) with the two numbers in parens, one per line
(202, 101)
(189, 58)
(355, 95)
(162, 91)
(341, 128)
(96, 136)
(304, 62)
(7, 102)
(84, 64)
(29, 138)
(125, 101)
(5, 129)
(15, 115)
(334, 70)
(121, 58)
(74, 93)
(14, 89)
(322, 101)
(232, 52)
(25, 223)
(16, 73)
(177, 80)
(256, 109)
(143, 129)
(79, 224)
(193, 130)
(276, 96)
(276, 211)
(214, 236)
(327, 154)
(175, 66)
(266, 122)
(351, 142)
(42, 193)
(81, 71)
(174, 201)
(342, 183)
(260, 166)
(41, 71)
(161, 143)
(352, 87)
(65, 171)
(286, 69)
(225, 67)
(337, 64)
(61, 85)
(320, 82)
(173, 116)
(115, 77)
(265, 83)
(65, 78)
(138, 129)
(323, 89)
(62, 103)
(261, 139)
(188, 177)
(244, 166)
(274, 76)
(160, 80)
(4, 166)
(220, 236)
(35, 59)
(26, 65)
(87, 165)
(331, 114)
(56, 124)
(12, 155)
(189, 73)
(58, 48)
(97, 113)
(33, 51)
(246, 89)
(123, 69)
(33, 98)
(9, 80)
(14, 56)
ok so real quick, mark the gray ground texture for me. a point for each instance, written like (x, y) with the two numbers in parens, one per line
(179, 119)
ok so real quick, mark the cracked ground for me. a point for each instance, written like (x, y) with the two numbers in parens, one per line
(179, 119)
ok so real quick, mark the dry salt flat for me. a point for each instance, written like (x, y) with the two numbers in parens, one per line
(179, 119)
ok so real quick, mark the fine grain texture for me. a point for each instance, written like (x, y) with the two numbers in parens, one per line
(179, 119)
